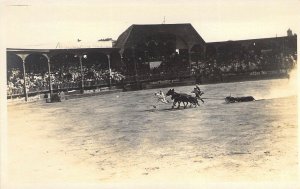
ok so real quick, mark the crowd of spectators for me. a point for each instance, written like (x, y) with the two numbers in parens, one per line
(172, 64)
(15, 81)
(247, 64)
(40, 81)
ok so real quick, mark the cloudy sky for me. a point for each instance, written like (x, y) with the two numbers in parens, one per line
(36, 24)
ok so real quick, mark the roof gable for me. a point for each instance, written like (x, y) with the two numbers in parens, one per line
(137, 33)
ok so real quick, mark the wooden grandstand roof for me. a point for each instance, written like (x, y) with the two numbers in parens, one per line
(137, 33)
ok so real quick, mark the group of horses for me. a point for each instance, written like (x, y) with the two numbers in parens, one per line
(186, 99)
(183, 98)
(193, 100)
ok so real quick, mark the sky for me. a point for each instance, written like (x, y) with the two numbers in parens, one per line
(44, 24)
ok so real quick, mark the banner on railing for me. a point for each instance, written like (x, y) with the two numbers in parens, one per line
(154, 64)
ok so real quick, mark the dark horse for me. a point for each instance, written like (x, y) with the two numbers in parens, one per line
(230, 99)
(182, 97)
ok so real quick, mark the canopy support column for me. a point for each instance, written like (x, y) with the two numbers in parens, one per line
(49, 73)
(23, 57)
(81, 73)
(109, 68)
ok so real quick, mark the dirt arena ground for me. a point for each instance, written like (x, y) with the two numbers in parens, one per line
(121, 137)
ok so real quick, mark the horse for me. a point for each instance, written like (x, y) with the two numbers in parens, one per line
(182, 97)
(177, 98)
(230, 99)
(161, 97)
(193, 101)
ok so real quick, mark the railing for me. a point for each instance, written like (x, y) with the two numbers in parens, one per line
(66, 86)
(254, 73)
(95, 83)
(157, 77)
(38, 89)
(15, 91)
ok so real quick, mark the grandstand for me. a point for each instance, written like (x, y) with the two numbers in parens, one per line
(144, 54)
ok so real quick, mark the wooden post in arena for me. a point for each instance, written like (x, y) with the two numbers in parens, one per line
(108, 60)
(81, 73)
(23, 57)
(49, 72)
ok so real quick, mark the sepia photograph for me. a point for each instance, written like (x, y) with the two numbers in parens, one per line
(149, 94)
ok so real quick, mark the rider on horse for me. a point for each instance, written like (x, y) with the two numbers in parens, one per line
(198, 93)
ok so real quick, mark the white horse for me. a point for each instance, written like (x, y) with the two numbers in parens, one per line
(161, 97)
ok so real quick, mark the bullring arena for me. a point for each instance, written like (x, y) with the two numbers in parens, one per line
(112, 129)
